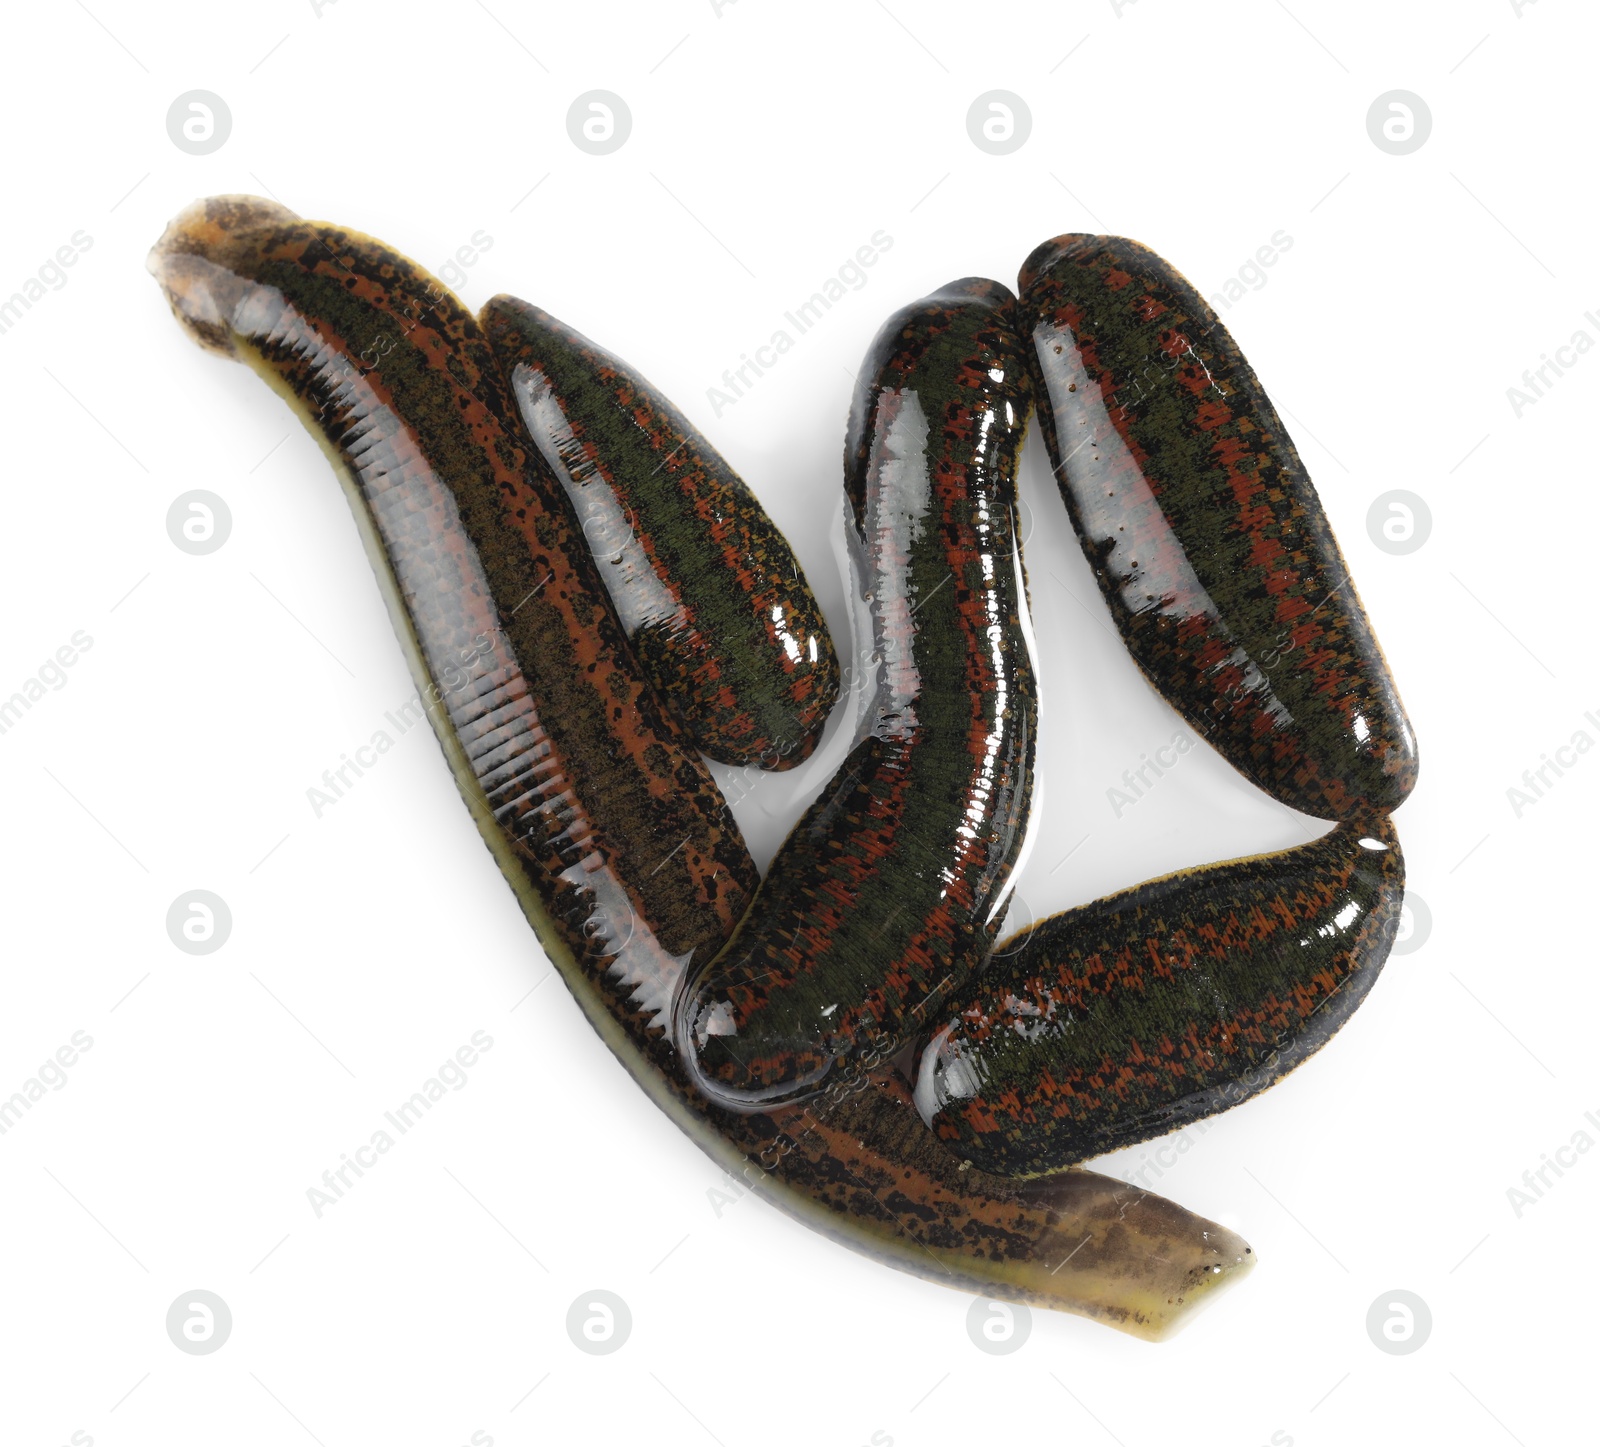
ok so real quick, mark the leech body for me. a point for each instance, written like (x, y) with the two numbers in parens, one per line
(1204, 531)
(710, 593)
(885, 898)
(580, 783)
(553, 736)
(863, 1168)
(1141, 1012)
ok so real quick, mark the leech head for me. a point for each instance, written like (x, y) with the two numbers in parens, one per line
(945, 1074)
(968, 289)
(737, 1072)
(1047, 253)
(197, 262)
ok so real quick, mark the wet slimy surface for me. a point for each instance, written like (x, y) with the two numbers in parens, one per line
(1204, 531)
(594, 804)
(885, 898)
(1141, 1012)
(708, 590)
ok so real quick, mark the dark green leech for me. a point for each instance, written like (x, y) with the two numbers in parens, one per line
(1136, 1014)
(1204, 531)
(598, 804)
(385, 367)
(708, 589)
(885, 898)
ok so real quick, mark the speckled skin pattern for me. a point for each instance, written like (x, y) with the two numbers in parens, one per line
(1139, 1013)
(883, 901)
(608, 809)
(720, 616)
(502, 618)
(1204, 531)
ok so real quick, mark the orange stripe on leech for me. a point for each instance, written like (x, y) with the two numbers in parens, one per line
(497, 442)
(599, 665)
(477, 609)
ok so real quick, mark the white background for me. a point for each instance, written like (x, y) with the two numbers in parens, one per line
(768, 143)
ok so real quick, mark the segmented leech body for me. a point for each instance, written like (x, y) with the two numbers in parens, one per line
(567, 749)
(1141, 1012)
(575, 775)
(709, 591)
(1204, 531)
(885, 898)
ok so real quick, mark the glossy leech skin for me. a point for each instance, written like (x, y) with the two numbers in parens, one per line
(388, 371)
(884, 900)
(712, 597)
(533, 689)
(1139, 1013)
(1204, 531)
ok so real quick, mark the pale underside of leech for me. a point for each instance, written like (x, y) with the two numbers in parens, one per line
(856, 1163)
(864, 1170)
